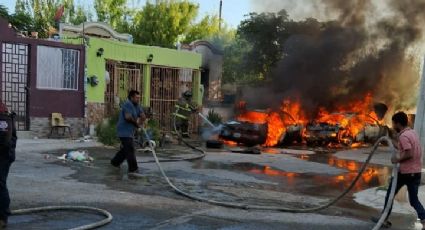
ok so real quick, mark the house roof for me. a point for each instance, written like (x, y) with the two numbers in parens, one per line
(197, 43)
(98, 29)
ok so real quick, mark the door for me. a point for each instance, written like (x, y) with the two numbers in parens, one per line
(14, 81)
(123, 77)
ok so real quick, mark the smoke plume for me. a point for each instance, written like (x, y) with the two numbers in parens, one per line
(358, 47)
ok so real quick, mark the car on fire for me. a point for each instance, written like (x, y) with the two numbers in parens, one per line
(324, 133)
(251, 134)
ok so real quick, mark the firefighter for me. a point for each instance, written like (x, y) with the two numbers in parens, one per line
(8, 141)
(184, 108)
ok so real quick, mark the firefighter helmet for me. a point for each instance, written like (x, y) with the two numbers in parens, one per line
(187, 94)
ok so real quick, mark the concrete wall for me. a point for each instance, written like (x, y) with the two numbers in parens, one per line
(40, 126)
(212, 59)
(213, 62)
(95, 113)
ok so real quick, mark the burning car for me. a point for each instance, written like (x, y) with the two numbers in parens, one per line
(349, 128)
(249, 134)
(321, 133)
(257, 127)
(288, 125)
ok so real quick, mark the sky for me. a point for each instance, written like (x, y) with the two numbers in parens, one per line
(233, 10)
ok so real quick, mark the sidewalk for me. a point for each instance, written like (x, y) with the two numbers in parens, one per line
(374, 198)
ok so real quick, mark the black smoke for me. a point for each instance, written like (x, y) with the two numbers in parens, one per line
(334, 62)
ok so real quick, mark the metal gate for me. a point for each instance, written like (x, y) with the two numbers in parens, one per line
(123, 78)
(14, 81)
(167, 86)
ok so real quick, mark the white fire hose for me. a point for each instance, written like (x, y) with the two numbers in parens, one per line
(378, 225)
(106, 214)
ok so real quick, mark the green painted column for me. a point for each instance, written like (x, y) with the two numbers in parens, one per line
(196, 88)
(146, 86)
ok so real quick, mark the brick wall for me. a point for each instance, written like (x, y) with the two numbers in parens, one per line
(95, 113)
(40, 126)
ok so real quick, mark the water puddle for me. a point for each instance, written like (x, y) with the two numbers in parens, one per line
(308, 183)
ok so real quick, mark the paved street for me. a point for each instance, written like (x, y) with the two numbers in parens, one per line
(280, 177)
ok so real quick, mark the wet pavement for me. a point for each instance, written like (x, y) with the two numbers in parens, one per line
(260, 178)
(147, 202)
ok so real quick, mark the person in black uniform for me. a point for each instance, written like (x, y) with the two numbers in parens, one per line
(8, 141)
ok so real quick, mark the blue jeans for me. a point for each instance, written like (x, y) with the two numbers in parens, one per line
(4, 193)
(412, 181)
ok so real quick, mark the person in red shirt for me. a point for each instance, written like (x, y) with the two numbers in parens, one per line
(410, 159)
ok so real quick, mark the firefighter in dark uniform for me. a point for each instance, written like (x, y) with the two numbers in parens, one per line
(8, 141)
(184, 108)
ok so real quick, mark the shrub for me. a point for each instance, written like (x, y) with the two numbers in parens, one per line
(154, 129)
(107, 131)
(214, 117)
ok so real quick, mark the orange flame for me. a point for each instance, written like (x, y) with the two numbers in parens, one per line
(290, 114)
(351, 117)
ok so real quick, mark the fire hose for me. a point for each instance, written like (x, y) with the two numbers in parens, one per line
(378, 225)
(105, 221)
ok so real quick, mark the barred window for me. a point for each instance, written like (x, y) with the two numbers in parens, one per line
(57, 68)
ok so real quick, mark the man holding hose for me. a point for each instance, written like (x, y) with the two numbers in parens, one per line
(130, 119)
(410, 159)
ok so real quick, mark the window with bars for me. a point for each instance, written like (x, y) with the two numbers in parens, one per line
(57, 68)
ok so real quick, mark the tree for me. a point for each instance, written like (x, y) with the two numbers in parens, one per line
(22, 22)
(40, 14)
(162, 23)
(257, 48)
(207, 28)
(112, 12)
(266, 33)
(223, 38)
(80, 15)
(236, 68)
(4, 13)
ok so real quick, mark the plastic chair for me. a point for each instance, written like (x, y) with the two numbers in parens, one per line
(57, 123)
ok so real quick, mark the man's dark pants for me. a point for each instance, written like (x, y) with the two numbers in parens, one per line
(4, 193)
(412, 181)
(127, 152)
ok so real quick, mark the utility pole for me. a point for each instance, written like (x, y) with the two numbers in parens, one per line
(221, 8)
(420, 112)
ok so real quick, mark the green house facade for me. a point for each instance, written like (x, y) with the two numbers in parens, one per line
(114, 66)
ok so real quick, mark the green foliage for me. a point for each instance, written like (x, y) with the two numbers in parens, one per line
(236, 67)
(4, 13)
(38, 15)
(158, 23)
(154, 128)
(266, 34)
(207, 28)
(258, 47)
(22, 21)
(112, 12)
(223, 38)
(214, 117)
(80, 15)
(163, 22)
(107, 132)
